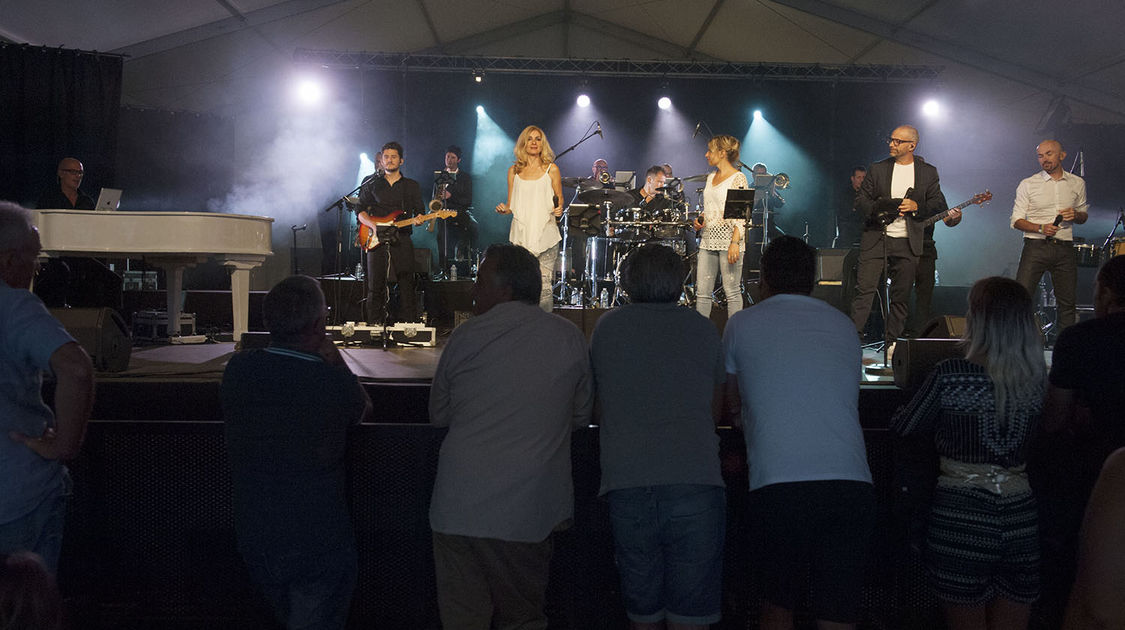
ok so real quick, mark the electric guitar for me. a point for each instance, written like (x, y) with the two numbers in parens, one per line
(886, 210)
(977, 199)
(368, 238)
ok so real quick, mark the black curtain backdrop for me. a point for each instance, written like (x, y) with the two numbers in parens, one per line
(56, 103)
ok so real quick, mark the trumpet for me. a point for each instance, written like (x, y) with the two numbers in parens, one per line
(604, 177)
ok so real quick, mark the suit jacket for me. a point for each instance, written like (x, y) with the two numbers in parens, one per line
(877, 185)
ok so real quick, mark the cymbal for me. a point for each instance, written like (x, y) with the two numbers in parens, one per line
(573, 182)
(618, 198)
(697, 178)
(352, 200)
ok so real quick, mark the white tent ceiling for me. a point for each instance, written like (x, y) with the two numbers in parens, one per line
(221, 55)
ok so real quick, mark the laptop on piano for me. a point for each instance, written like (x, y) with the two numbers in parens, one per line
(108, 200)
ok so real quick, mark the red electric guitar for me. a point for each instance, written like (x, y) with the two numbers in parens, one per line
(369, 239)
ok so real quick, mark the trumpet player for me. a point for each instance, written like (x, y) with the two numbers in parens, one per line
(382, 199)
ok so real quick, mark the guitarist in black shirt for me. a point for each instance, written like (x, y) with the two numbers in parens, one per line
(382, 199)
(896, 195)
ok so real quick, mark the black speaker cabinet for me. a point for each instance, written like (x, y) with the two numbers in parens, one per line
(834, 265)
(914, 358)
(101, 332)
(943, 327)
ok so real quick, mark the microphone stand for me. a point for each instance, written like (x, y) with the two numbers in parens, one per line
(295, 229)
(339, 205)
(564, 256)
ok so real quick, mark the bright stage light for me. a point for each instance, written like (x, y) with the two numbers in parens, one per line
(480, 109)
(757, 114)
(664, 103)
(583, 100)
(308, 91)
(931, 108)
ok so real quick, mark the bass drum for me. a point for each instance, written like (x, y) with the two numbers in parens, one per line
(604, 254)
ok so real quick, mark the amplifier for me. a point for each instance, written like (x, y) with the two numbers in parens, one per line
(154, 325)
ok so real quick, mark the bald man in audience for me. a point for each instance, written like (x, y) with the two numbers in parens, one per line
(34, 440)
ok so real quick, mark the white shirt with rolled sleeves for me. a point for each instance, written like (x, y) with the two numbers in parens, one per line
(1040, 199)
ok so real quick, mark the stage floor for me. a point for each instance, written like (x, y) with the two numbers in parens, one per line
(206, 361)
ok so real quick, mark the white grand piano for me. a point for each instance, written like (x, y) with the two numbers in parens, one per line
(172, 241)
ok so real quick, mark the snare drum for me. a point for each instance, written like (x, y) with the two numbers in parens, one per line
(1087, 254)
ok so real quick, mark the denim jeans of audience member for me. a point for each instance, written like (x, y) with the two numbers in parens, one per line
(41, 530)
(307, 589)
(710, 263)
(547, 262)
(669, 550)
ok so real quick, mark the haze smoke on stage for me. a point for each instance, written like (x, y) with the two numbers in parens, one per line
(288, 177)
(491, 157)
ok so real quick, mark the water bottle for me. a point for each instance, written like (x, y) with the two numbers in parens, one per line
(453, 272)
(603, 298)
(359, 271)
(937, 278)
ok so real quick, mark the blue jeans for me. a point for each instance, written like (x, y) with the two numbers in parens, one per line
(709, 263)
(40, 530)
(669, 550)
(307, 590)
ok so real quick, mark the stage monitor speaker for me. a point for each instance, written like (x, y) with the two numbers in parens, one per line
(943, 327)
(914, 358)
(101, 332)
(833, 265)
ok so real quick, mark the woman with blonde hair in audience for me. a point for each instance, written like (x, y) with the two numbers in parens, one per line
(982, 543)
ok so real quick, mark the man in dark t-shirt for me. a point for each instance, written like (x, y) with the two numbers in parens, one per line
(1083, 422)
(66, 195)
(287, 411)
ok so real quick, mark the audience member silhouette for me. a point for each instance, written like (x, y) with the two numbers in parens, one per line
(982, 545)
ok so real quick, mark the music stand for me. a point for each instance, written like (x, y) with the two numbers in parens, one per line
(740, 202)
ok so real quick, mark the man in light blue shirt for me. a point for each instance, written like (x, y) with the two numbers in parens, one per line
(33, 440)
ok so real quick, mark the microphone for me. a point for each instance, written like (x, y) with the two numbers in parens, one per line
(599, 131)
(1058, 220)
(696, 132)
(298, 228)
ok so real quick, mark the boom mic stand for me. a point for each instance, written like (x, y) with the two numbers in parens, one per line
(564, 250)
(339, 205)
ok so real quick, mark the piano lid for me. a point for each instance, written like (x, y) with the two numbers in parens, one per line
(146, 232)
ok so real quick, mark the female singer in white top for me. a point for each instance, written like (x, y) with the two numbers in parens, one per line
(535, 201)
(722, 246)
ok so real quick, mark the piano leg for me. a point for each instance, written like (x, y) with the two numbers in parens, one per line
(240, 293)
(174, 276)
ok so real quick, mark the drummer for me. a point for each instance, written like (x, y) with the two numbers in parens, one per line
(654, 182)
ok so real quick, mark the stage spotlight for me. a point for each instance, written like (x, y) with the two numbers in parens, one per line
(480, 109)
(583, 100)
(931, 108)
(478, 76)
(757, 114)
(308, 91)
(664, 103)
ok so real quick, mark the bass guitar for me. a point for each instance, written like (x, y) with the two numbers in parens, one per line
(886, 210)
(977, 199)
(368, 238)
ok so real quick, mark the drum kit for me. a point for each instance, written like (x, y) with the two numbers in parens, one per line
(1091, 255)
(614, 223)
